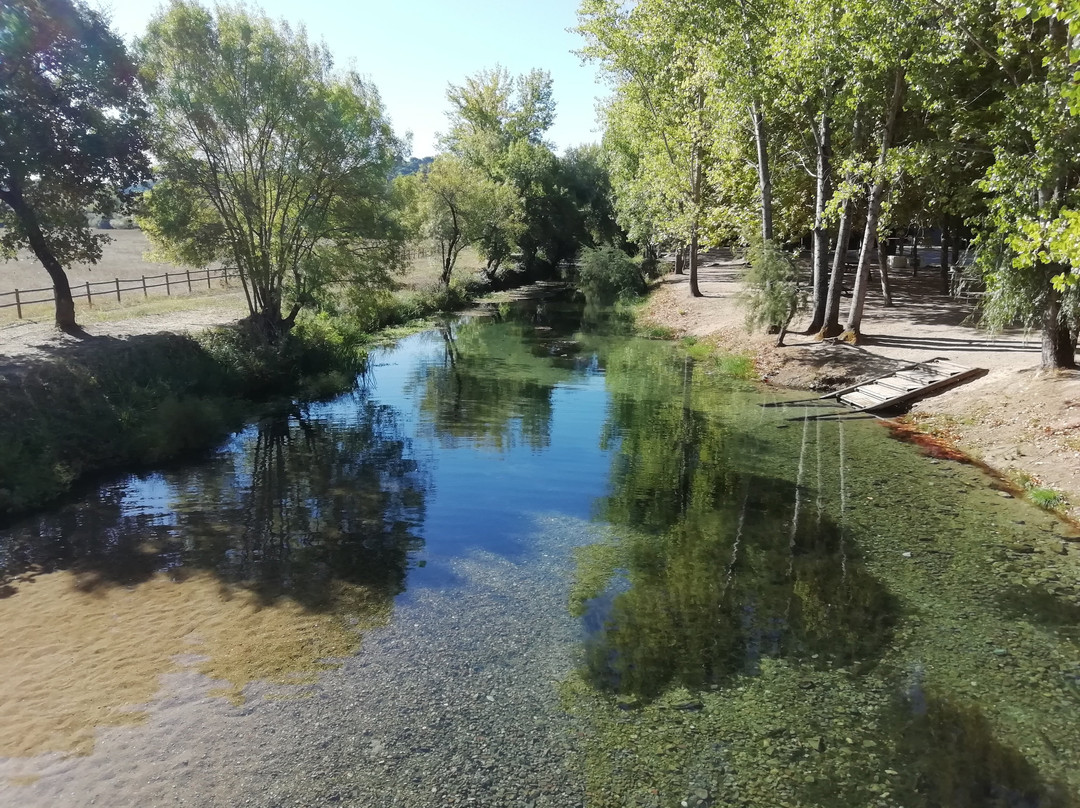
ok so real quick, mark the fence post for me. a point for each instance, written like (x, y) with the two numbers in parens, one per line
(89, 297)
(18, 304)
(208, 277)
(188, 273)
(225, 269)
(117, 289)
(168, 288)
(145, 294)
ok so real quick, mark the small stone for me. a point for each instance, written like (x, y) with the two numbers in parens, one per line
(906, 554)
(1001, 651)
(1004, 495)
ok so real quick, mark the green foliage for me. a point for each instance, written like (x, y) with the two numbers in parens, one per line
(772, 295)
(271, 160)
(455, 206)
(154, 398)
(73, 129)
(1047, 498)
(607, 274)
(545, 207)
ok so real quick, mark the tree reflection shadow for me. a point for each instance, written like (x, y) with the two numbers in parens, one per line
(710, 597)
(297, 503)
(494, 387)
(715, 565)
(948, 756)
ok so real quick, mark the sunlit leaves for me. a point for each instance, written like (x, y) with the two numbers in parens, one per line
(271, 160)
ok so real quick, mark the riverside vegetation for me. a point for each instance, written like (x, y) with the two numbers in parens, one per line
(149, 399)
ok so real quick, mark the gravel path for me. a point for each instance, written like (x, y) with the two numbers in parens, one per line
(456, 703)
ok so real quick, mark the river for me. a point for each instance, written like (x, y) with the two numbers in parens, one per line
(534, 561)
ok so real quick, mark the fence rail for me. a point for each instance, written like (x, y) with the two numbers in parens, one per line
(188, 280)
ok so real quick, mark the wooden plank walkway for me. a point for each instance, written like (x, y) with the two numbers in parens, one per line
(896, 388)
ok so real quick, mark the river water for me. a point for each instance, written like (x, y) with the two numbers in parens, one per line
(533, 562)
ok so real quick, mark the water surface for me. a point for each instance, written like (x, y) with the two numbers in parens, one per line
(531, 561)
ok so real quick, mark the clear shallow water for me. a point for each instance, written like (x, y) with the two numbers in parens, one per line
(531, 564)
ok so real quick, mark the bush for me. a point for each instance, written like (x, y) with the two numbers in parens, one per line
(606, 274)
(772, 296)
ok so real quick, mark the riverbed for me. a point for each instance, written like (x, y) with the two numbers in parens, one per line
(533, 560)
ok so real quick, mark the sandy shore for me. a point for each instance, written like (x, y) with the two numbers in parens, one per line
(1024, 423)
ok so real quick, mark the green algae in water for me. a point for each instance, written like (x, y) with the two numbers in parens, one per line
(812, 614)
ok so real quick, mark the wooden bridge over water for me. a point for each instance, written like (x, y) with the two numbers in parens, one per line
(896, 389)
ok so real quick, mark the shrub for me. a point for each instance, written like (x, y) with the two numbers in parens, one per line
(772, 296)
(606, 274)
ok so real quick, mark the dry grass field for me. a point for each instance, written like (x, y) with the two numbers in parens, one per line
(125, 257)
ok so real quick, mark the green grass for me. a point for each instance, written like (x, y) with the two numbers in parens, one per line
(1048, 498)
(128, 403)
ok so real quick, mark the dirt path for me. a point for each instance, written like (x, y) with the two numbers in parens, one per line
(26, 341)
(1015, 419)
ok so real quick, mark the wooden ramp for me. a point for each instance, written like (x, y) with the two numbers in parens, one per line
(897, 388)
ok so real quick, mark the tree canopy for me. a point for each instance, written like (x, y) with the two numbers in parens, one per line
(813, 123)
(73, 133)
(270, 160)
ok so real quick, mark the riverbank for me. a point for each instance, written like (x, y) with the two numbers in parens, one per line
(1019, 421)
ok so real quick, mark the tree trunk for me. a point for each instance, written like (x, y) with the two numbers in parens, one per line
(694, 290)
(873, 212)
(696, 190)
(679, 259)
(823, 139)
(945, 280)
(761, 140)
(64, 305)
(883, 266)
(1058, 343)
(831, 327)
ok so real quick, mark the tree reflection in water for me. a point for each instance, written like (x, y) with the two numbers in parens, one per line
(715, 566)
(295, 504)
(493, 388)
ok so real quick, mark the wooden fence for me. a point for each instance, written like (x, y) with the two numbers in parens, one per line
(172, 282)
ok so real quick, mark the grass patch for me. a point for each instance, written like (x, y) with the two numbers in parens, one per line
(1048, 498)
(133, 402)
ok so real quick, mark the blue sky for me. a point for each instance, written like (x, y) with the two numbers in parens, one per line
(411, 50)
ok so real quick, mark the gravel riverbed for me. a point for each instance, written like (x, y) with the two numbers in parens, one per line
(455, 703)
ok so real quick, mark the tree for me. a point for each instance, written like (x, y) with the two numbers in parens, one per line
(655, 54)
(497, 126)
(72, 134)
(454, 205)
(270, 160)
(1026, 235)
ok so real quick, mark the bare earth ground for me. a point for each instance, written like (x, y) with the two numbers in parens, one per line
(1015, 419)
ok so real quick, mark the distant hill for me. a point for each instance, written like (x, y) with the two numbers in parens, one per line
(412, 165)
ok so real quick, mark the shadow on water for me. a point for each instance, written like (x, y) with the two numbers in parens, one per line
(714, 567)
(494, 384)
(948, 757)
(1041, 606)
(711, 597)
(294, 503)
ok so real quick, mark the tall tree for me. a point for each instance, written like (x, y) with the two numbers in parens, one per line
(72, 134)
(271, 160)
(453, 205)
(1032, 185)
(655, 54)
